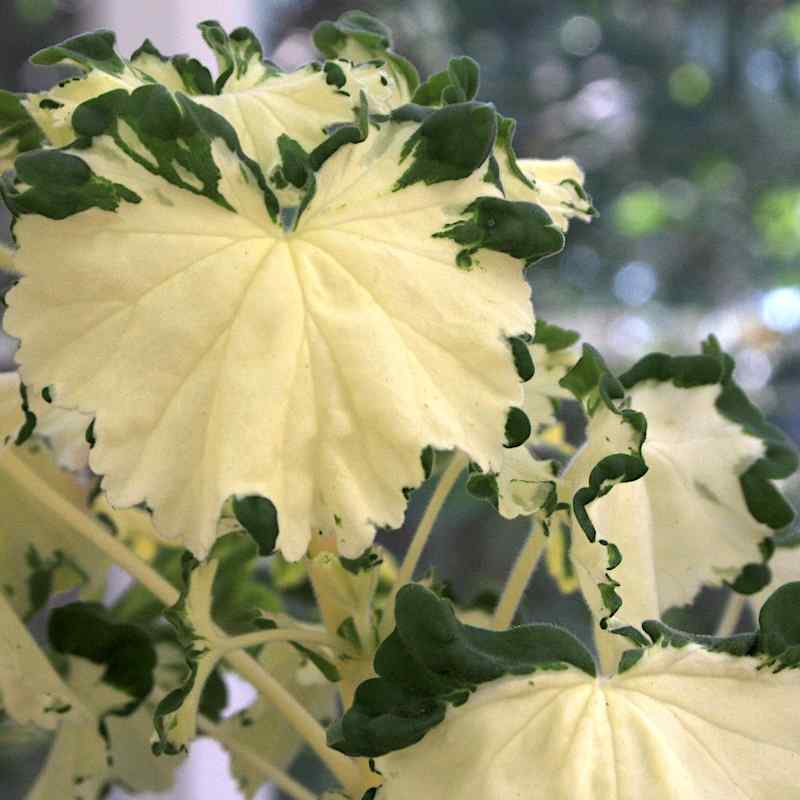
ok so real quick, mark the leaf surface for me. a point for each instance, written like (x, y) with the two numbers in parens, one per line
(362, 304)
(679, 723)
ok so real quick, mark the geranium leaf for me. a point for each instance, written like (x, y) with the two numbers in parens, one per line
(702, 438)
(32, 691)
(193, 382)
(675, 722)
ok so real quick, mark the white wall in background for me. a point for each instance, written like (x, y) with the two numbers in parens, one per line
(170, 24)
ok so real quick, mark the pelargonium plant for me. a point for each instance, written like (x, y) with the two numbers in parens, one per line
(256, 311)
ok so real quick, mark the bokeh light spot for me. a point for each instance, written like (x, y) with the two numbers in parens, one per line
(640, 212)
(635, 283)
(689, 84)
(581, 36)
(780, 309)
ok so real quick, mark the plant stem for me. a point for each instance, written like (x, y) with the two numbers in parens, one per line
(446, 483)
(610, 648)
(731, 614)
(520, 576)
(296, 714)
(272, 773)
(256, 638)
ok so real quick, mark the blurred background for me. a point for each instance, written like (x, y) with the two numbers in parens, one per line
(686, 118)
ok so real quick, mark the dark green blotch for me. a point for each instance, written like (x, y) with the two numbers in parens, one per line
(89, 631)
(521, 230)
(741, 644)
(18, 130)
(59, 185)
(553, 337)
(483, 486)
(523, 360)
(518, 428)
(429, 93)
(629, 659)
(334, 75)
(450, 144)
(779, 623)
(176, 131)
(366, 561)
(464, 75)
(457, 84)
(341, 135)
(92, 50)
(752, 578)
(431, 660)
(29, 426)
(89, 435)
(259, 517)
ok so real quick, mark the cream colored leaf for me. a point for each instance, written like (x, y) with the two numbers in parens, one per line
(543, 388)
(302, 104)
(685, 524)
(82, 759)
(64, 432)
(52, 110)
(12, 417)
(680, 723)
(222, 355)
(6, 257)
(134, 766)
(77, 759)
(36, 540)
(785, 568)
(32, 691)
(557, 186)
(524, 483)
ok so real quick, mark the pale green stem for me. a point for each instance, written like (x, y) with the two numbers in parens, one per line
(270, 772)
(732, 613)
(610, 648)
(247, 640)
(519, 578)
(446, 483)
(296, 714)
